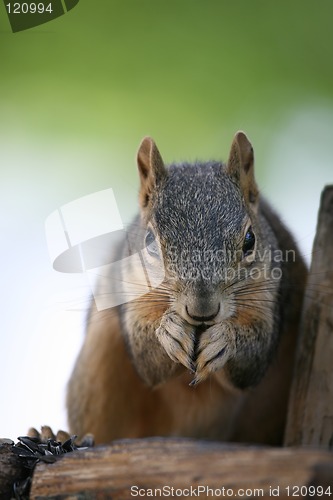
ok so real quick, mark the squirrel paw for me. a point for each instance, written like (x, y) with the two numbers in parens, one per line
(177, 338)
(46, 434)
(216, 346)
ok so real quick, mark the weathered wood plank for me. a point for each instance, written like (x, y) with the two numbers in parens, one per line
(310, 418)
(111, 471)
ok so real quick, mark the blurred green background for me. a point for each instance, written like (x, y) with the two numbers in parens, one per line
(78, 94)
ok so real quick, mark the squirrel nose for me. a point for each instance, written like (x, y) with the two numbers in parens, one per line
(203, 314)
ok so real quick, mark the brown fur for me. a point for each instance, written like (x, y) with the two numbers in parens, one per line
(112, 406)
(116, 404)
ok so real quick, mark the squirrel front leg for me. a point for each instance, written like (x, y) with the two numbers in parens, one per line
(244, 350)
(178, 339)
(161, 348)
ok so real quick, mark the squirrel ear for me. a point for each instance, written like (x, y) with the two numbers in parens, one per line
(151, 168)
(241, 167)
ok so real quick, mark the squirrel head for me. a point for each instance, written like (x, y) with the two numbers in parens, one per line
(200, 225)
(240, 168)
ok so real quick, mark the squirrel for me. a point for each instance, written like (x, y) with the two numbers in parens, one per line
(208, 351)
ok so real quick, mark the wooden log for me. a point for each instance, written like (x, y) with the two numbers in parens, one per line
(137, 467)
(310, 416)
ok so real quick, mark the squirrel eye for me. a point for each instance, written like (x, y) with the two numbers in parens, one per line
(151, 244)
(249, 242)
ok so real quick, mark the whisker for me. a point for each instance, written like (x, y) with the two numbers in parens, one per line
(271, 301)
(251, 290)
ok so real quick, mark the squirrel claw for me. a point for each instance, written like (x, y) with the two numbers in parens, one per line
(192, 367)
(194, 382)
